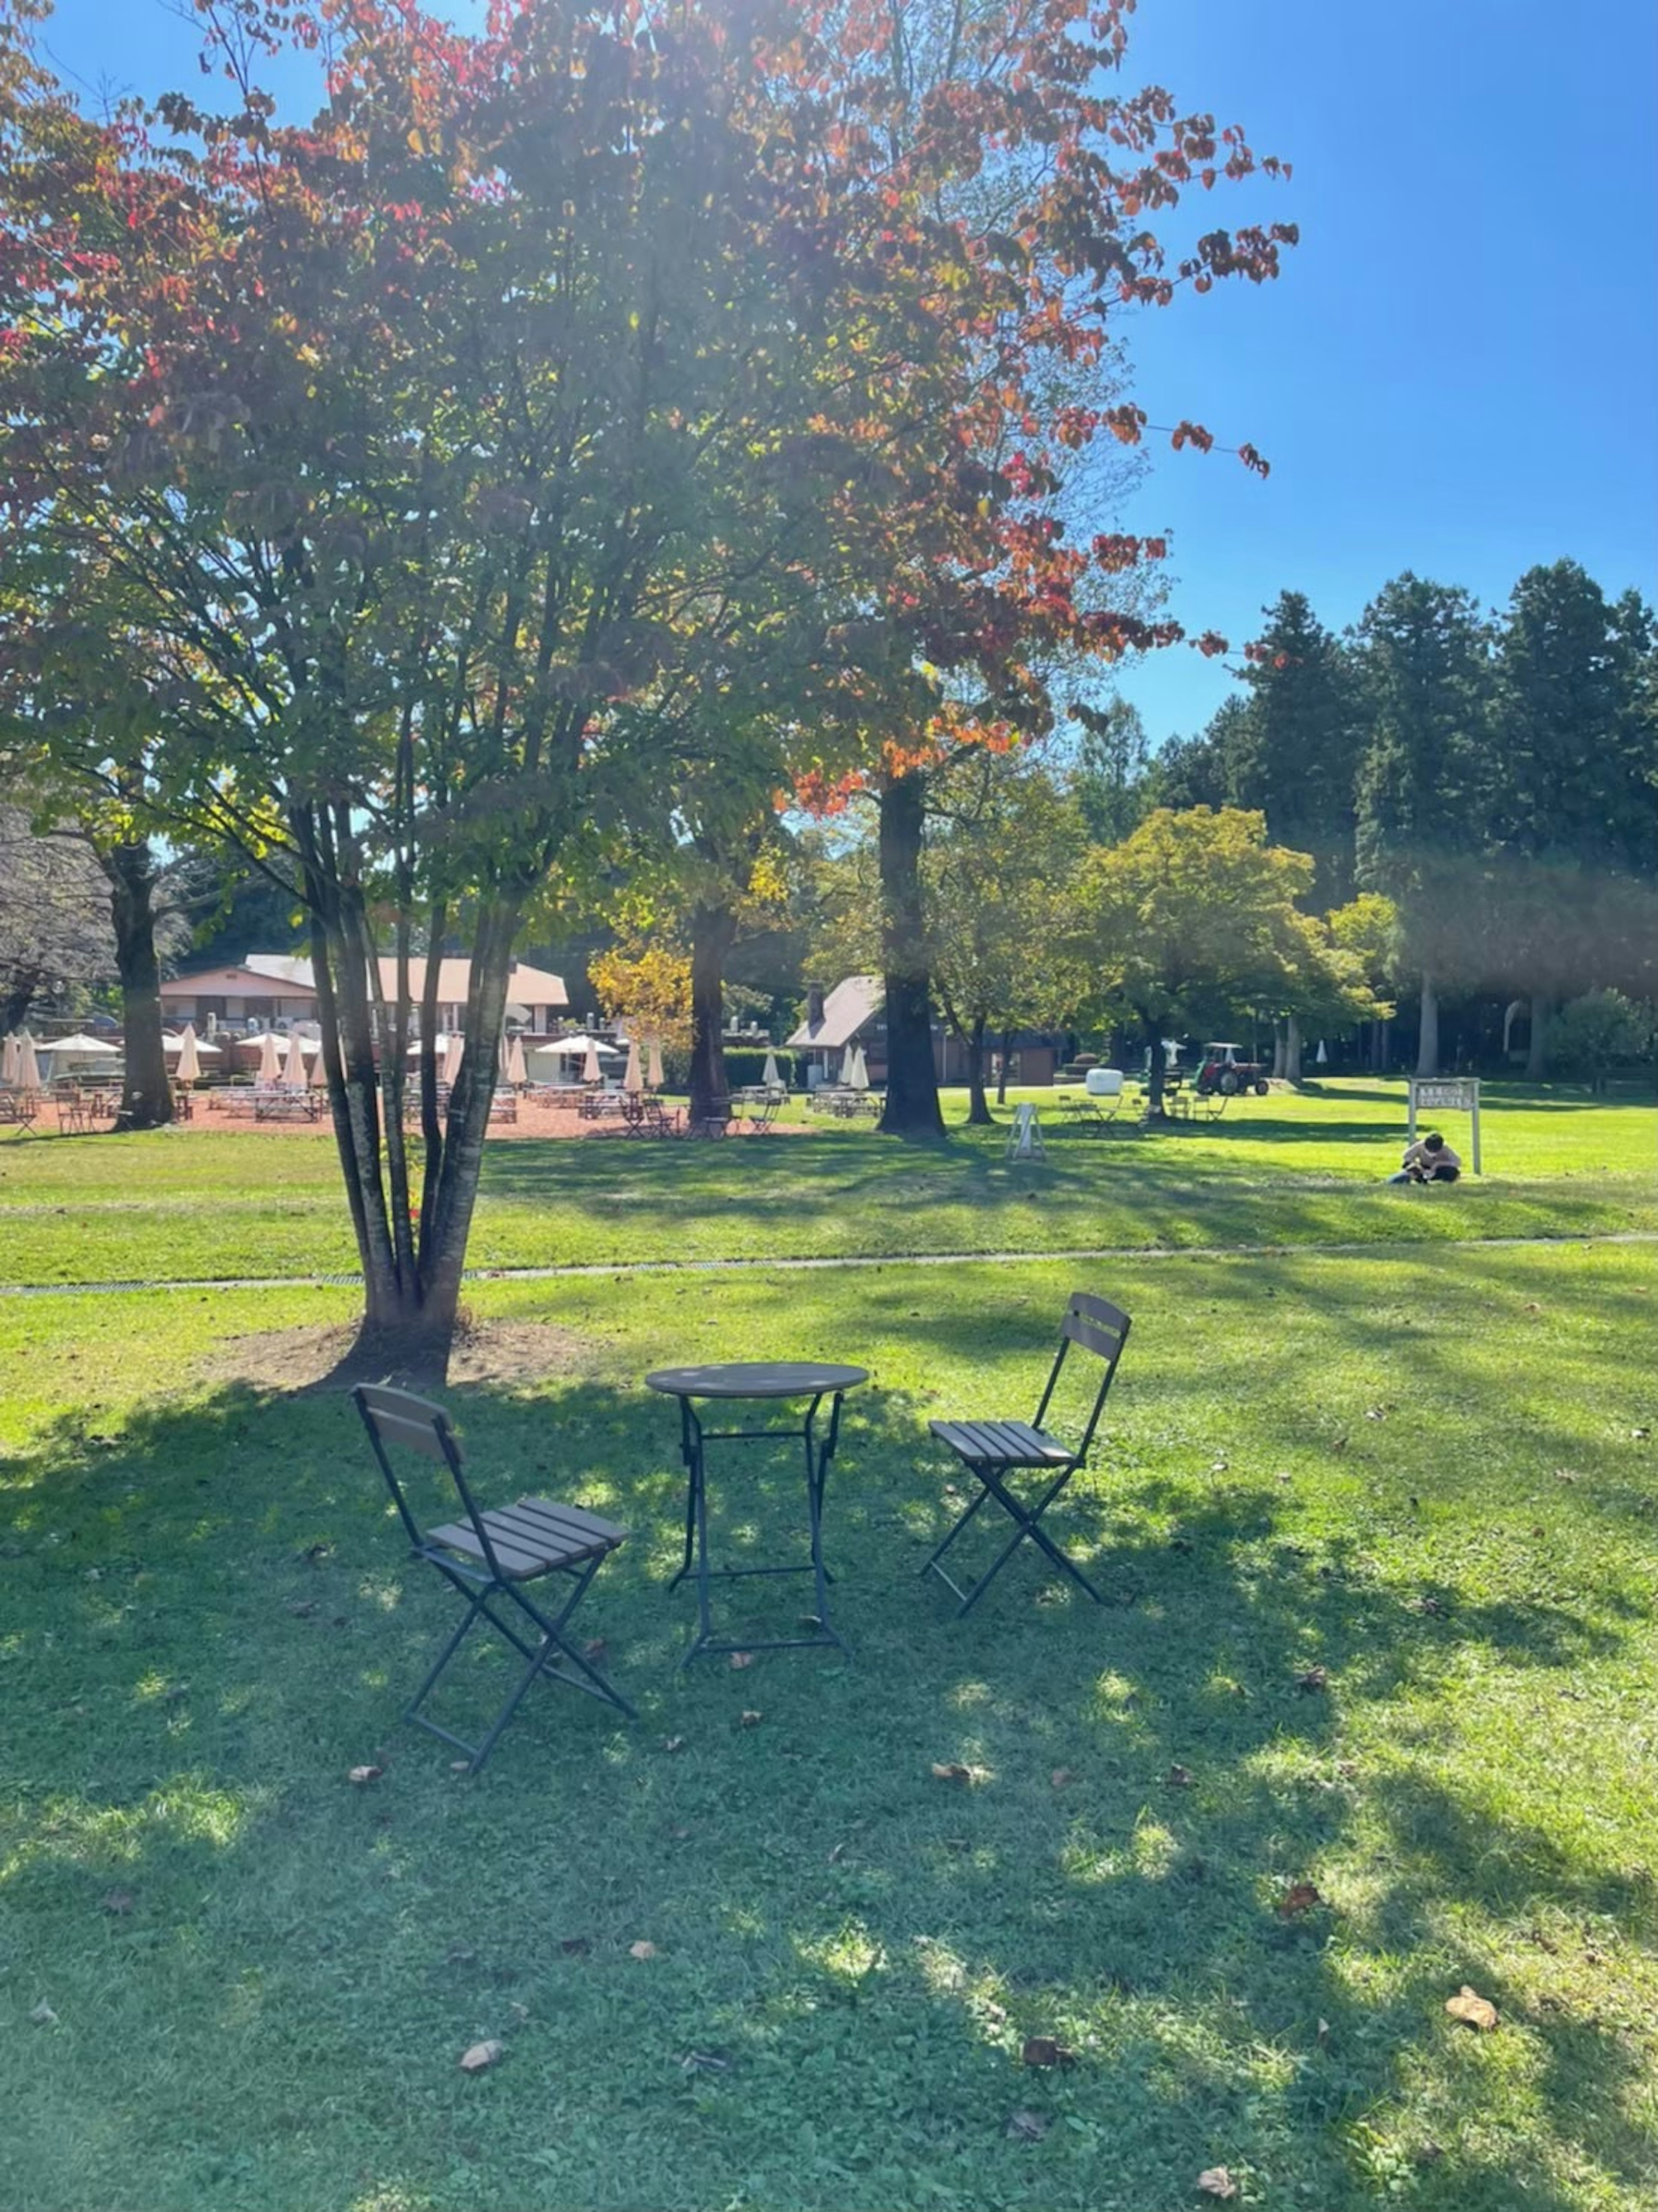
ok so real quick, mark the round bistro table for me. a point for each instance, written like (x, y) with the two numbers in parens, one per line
(781, 1380)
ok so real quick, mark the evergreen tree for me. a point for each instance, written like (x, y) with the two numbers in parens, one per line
(1296, 756)
(1203, 770)
(1573, 812)
(1422, 788)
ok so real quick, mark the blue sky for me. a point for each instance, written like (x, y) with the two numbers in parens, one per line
(1458, 371)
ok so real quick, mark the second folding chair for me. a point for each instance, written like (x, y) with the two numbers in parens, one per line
(998, 1454)
(489, 1557)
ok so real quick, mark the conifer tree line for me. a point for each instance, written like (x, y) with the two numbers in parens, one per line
(1493, 775)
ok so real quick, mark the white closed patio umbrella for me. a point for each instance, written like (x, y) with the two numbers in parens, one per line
(294, 1074)
(653, 1064)
(849, 1065)
(28, 1068)
(449, 1072)
(591, 1070)
(517, 1075)
(190, 1066)
(318, 1069)
(270, 1065)
(9, 1063)
(769, 1075)
(633, 1076)
(860, 1070)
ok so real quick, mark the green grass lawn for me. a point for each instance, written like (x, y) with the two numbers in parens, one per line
(1428, 1469)
(204, 1203)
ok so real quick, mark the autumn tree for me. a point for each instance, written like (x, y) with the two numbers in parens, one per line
(425, 434)
(1004, 172)
(1196, 913)
(644, 980)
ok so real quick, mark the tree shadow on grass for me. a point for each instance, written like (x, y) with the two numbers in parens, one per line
(218, 1619)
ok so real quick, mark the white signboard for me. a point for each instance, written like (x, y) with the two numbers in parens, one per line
(1024, 1139)
(1446, 1094)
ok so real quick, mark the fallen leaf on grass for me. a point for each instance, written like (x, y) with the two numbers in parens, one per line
(303, 1607)
(741, 1659)
(117, 1900)
(705, 2062)
(641, 1950)
(1028, 2127)
(594, 1648)
(1061, 1776)
(482, 2056)
(361, 1775)
(1044, 2050)
(951, 1770)
(834, 1855)
(1179, 1777)
(1470, 2008)
(460, 1766)
(43, 2015)
(576, 1947)
(673, 1743)
(1323, 2035)
(750, 1719)
(1300, 1897)
(1216, 2181)
(1313, 1678)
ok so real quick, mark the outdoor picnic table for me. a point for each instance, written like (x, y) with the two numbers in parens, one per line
(766, 1380)
(284, 1103)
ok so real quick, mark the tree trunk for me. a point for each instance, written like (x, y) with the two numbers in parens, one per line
(1278, 1051)
(146, 1094)
(1001, 1079)
(1537, 1051)
(1427, 1048)
(912, 1101)
(1292, 1049)
(714, 930)
(411, 1278)
(21, 995)
(978, 1106)
(1157, 1064)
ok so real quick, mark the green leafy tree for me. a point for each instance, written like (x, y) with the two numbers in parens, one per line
(1110, 780)
(998, 876)
(1598, 1031)
(1197, 911)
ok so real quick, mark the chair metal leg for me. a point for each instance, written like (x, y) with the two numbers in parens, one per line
(1025, 1520)
(550, 1647)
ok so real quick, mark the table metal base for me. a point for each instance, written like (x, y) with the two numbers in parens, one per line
(819, 1449)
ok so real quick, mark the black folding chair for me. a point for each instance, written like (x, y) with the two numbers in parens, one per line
(489, 1557)
(994, 1450)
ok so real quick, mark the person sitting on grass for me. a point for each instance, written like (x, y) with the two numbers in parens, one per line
(1431, 1159)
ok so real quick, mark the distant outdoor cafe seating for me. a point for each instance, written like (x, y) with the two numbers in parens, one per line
(996, 1451)
(489, 1557)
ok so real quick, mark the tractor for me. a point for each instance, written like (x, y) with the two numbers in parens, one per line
(1225, 1069)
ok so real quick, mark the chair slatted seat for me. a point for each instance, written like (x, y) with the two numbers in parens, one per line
(994, 1450)
(487, 1556)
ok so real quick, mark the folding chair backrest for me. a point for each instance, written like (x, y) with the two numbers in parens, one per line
(1095, 1325)
(416, 1424)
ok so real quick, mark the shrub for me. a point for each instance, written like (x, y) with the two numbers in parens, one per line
(1591, 1035)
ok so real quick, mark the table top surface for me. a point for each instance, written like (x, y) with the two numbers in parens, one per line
(756, 1378)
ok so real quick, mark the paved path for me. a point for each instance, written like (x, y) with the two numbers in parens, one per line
(1381, 1250)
